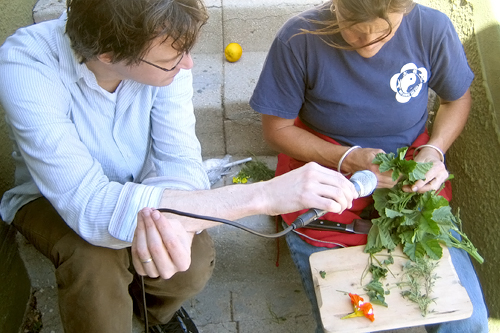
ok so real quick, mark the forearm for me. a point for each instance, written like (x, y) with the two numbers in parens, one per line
(229, 202)
(298, 143)
(450, 121)
(305, 187)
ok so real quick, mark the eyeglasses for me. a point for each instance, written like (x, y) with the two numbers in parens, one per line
(163, 68)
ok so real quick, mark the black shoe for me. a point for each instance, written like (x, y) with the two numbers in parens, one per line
(180, 323)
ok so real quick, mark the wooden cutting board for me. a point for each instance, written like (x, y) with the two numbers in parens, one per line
(344, 269)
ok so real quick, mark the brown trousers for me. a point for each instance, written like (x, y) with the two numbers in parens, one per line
(97, 287)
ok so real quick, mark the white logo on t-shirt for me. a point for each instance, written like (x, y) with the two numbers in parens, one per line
(408, 82)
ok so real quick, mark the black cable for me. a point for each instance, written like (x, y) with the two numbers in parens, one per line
(232, 223)
(297, 223)
(301, 221)
(146, 324)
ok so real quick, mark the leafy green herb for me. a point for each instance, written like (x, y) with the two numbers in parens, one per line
(255, 170)
(420, 222)
(399, 165)
(322, 274)
(419, 282)
(375, 289)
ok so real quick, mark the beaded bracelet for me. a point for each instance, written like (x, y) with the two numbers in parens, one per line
(343, 158)
(441, 154)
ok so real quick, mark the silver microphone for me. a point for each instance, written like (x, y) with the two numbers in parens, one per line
(365, 183)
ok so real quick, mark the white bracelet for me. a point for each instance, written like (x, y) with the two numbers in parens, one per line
(441, 154)
(339, 166)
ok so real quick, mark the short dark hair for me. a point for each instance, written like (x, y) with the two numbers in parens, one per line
(126, 28)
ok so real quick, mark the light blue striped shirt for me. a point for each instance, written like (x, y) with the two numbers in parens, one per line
(99, 160)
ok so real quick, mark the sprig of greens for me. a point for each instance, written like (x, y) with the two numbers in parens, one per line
(375, 289)
(420, 281)
(420, 222)
(255, 170)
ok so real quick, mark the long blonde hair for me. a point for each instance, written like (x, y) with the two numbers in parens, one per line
(357, 11)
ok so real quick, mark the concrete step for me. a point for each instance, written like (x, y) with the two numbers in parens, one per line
(230, 125)
(225, 122)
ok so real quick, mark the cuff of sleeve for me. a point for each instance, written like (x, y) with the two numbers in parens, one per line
(174, 183)
(132, 199)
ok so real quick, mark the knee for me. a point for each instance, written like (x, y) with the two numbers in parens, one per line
(85, 263)
(192, 281)
(477, 323)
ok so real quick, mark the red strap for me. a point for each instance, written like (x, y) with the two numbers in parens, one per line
(287, 163)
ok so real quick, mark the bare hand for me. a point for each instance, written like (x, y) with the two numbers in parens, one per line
(309, 186)
(362, 159)
(435, 177)
(161, 246)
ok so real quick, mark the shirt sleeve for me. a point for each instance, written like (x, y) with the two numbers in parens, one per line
(176, 151)
(58, 162)
(451, 75)
(175, 156)
(280, 89)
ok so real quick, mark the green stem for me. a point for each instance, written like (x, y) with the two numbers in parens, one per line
(466, 245)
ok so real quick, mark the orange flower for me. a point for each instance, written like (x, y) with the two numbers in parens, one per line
(361, 308)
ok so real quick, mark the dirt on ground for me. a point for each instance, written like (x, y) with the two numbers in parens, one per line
(33, 318)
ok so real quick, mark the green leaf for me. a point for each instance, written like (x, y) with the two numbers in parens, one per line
(388, 261)
(410, 219)
(419, 171)
(430, 201)
(386, 239)
(402, 153)
(376, 292)
(377, 298)
(378, 272)
(443, 215)
(406, 236)
(376, 286)
(432, 248)
(373, 244)
(420, 222)
(414, 251)
(392, 213)
(407, 166)
(380, 198)
(385, 161)
(427, 226)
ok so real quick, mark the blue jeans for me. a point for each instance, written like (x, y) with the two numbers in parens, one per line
(477, 323)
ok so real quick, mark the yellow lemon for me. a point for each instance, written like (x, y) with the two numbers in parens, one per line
(233, 52)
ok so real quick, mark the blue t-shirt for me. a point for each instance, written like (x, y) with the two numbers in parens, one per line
(377, 102)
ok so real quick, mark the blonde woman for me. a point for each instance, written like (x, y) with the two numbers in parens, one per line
(349, 79)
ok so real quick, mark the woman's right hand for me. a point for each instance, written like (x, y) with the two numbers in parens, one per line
(362, 159)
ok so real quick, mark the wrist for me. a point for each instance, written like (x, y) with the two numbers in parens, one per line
(430, 147)
(343, 157)
(259, 197)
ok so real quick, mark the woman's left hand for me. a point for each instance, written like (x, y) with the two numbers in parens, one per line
(435, 177)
